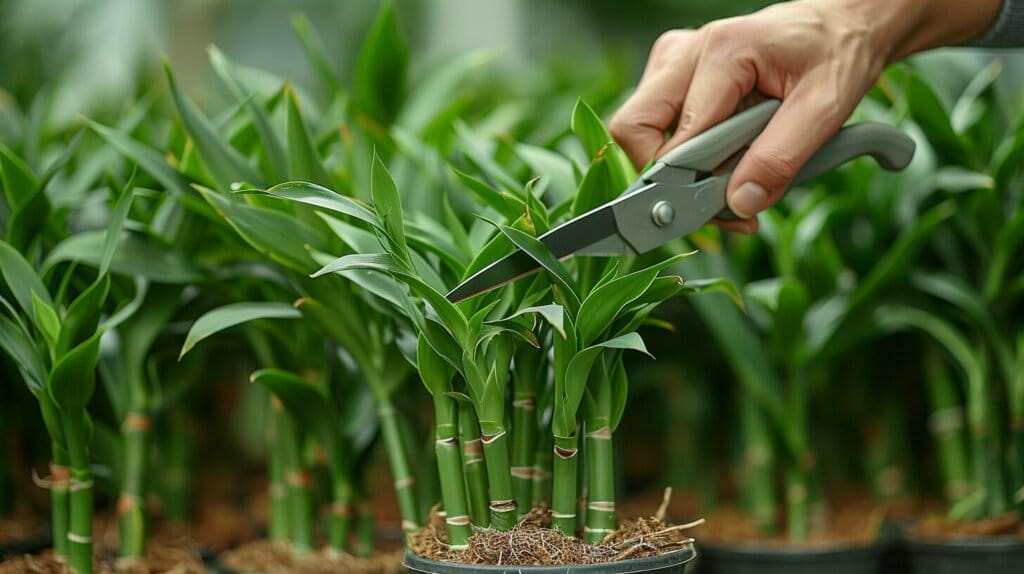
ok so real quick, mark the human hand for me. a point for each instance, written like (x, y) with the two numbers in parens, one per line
(818, 56)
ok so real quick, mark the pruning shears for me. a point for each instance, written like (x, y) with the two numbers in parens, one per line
(684, 190)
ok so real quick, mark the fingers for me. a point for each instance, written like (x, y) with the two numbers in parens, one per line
(640, 124)
(744, 226)
(808, 117)
(721, 79)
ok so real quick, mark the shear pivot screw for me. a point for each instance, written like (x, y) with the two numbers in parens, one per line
(663, 213)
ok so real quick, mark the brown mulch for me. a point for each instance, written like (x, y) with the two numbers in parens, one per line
(937, 527)
(850, 525)
(158, 560)
(272, 556)
(532, 543)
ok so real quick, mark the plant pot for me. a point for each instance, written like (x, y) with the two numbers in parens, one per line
(723, 559)
(987, 555)
(674, 562)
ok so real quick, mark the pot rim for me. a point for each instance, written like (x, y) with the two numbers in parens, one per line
(634, 565)
(979, 543)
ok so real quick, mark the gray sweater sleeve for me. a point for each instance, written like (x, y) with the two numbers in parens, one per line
(1008, 30)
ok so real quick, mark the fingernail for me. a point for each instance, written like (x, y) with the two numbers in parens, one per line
(748, 199)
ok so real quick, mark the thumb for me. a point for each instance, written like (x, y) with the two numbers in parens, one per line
(806, 120)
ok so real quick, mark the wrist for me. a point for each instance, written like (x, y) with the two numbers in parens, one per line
(900, 28)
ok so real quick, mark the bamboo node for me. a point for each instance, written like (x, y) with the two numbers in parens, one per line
(409, 526)
(277, 490)
(450, 441)
(78, 539)
(562, 514)
(297, 478)
(603, 433)
(500, 506)
(565, 453)
(136, 422)
(404, 482)
(490, 438)
(472, 448)
(76, 485)
(601, 505)
(527, 404)
(457, 520)
(796, 493)
(60, 475)
(946, 420)
(126, 502)
(386, 411)
(523, 472)
(341, 509)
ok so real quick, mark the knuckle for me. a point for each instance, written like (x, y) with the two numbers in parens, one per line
(620, 127)
(775, 167)
(717, 35)
(666, 40)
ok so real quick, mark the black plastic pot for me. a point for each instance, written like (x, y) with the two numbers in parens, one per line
(670, 563)
(985, 555)
(715, 559)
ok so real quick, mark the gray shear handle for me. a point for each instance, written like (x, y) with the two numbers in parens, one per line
(890, 147)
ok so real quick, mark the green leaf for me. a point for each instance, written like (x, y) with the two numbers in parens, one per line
(318, 196)
(273, 233)
(578, 371)
(22, 279)
(551, 167)
(83, 315)
(234, 314)
(225, 164)
(605, 303)
(380, 70)
(19, 183)
(270, 143)
(137, 255)
(957, 345)
(73, 377)
(716, 285)
(388, 203)
(310, 406)
(19, 346)
(334, 324)
(788, 325)
(441, 86)
(304, 162)
(315, 52)
(435, 372)
(542, 255)
(502, 202)
(553, 313)
(597, 188)
(116, 222)
(150, 159)
(589, 129)
(382, 262)
(929, 113)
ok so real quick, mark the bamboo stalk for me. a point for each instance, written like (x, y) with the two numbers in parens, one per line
(564, 473)
(600, 519)
(473, 468)
(279, 521)
(540, 492)
(758, 462)
(176, 456)
(341, 515)
(366, 534)
(297, 483)
(404, 481)
(79, 533)
(525, 376)
(449, 467)
(499, 476)
(60, 476)
(131, 511)
(946, 424)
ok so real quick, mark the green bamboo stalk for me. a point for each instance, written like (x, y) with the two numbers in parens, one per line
(946, 424)
(473, 468)
(176, 456)
(60, 504)
(79, 535)
(341, 520)
(540, 493)
(367, 532)
(564, 475)
(799, 464)
(278, 527)
(499, 475)
(131, 511)
(600, 519)
(297, 483)
(758, 462)
(401, 472)
(797, 502)
(449, 467)
(984, 447)
(525, 375)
